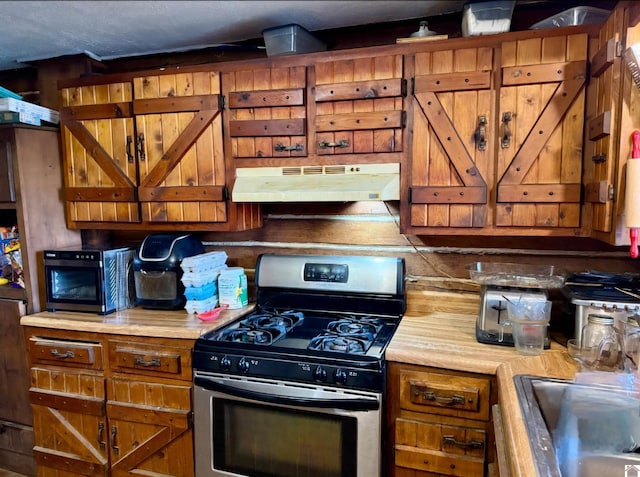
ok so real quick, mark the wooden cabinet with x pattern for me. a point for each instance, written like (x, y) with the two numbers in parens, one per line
(149, 151)
(106, 405)
(497, 138)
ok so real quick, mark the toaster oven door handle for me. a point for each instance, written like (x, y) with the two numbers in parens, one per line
(356, 404)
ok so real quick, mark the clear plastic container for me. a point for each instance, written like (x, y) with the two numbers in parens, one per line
(516, 275)
(572, 17)
(482, 18)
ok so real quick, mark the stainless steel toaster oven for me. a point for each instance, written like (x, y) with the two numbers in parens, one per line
(89, 280)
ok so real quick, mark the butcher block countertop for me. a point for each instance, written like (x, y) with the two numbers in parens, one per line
(135, 322)
(438, 330)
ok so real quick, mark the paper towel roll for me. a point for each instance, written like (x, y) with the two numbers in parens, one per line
(632, 194)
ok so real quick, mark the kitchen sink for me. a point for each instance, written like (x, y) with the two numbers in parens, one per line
(541, 401)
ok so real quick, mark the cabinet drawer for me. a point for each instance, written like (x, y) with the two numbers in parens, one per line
(441, 437)
(83, 354)
(152, 360)
(443, 394)
(439, 463)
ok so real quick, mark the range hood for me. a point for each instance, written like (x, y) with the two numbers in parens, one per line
(329, 183)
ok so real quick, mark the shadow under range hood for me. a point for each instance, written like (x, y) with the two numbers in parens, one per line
(329, 183)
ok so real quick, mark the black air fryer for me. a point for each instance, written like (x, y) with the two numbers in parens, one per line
(157, 271)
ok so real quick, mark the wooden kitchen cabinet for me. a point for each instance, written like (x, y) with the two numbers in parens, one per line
(110, 405)
(611, 117)
(267, 114)
(148, 153)
(359, 107)
(438, 422)
(496, 144)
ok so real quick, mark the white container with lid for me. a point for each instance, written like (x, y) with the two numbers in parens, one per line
(232, 288)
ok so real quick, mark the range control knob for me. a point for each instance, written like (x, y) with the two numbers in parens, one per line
(319, 374)
(243, 365)
(341, 376)
(225, 363)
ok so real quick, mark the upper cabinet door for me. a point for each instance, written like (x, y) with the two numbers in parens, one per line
(180, 147)
(612, 117)
(359, 106)
(267, 115)
(98, 144)
(541, 119)
(452, 155)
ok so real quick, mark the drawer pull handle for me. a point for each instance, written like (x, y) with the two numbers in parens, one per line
(114, 442)
(325, 144)
(101, 442)
(138, 361)
(57, 354)
(473, 444)
(282, 148)
(455, 399)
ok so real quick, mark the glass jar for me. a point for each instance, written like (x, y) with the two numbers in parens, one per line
(601, 344)
(630, 332)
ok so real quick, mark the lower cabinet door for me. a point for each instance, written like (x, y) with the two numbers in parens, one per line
(70, 434)
(150, 429)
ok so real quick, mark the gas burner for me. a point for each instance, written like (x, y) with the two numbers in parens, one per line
(363, 327)
(340, 344)
(284, 320)
(264, 336)
(347, 334)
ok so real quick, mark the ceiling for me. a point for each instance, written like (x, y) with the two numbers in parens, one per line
(107, 30)
(37, 30)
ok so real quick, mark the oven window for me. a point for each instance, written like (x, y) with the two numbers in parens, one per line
(76, 285)
(263, 441)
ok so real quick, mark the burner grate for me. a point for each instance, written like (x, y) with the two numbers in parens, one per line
(264, 327)
(348, 334)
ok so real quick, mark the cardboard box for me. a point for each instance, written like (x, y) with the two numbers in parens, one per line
(18, 106)
(25, 118)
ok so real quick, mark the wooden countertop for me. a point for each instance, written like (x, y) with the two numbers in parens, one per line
(439, 330)
(135, 321)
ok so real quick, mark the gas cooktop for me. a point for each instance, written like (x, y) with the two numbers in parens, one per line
(330, 335)
(603, 287)
(318, 320)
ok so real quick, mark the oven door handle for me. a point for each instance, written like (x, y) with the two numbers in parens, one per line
(344, 404)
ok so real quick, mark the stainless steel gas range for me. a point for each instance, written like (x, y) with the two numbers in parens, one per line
(296, 387)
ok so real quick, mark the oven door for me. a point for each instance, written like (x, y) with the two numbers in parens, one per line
(74, 285)
(262, 428)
